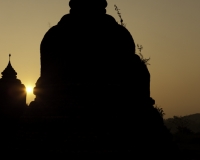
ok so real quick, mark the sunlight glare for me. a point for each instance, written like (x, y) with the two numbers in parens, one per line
(29, 89)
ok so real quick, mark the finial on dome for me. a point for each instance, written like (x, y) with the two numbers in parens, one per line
(88, 5)
(9, 57)
(9, 72)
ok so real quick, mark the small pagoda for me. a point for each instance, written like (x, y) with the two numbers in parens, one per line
(12, 92)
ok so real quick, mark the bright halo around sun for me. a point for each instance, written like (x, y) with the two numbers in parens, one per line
(29, 89)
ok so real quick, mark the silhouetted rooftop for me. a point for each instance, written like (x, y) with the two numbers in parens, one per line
(85, 6)
(88, 3)
(9, 71)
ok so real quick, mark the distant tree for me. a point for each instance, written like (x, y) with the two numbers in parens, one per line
(181, 124)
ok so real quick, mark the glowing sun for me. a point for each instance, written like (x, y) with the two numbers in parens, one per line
(29, 89)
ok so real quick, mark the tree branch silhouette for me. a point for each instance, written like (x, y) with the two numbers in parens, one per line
(139, 47)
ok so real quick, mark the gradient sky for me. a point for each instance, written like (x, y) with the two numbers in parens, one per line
(169, 31)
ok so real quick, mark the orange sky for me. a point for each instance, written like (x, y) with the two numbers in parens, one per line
(168, 30)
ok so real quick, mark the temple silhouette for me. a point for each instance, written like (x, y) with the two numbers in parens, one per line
(93, 93)
(90, 57)
(12, 92)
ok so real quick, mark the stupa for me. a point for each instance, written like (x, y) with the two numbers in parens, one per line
(12, 92)
(89, 57)
(92, 79)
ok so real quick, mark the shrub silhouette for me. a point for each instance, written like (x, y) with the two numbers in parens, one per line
(160, 110)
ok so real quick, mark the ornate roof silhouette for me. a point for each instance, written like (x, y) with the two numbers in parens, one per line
(9, 71)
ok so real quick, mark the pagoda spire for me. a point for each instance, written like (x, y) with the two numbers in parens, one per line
(9, 71)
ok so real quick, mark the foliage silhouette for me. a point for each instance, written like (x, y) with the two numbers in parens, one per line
(139, 47)
(181, 124)
(160, 110)
(144, 60)
(119, 14)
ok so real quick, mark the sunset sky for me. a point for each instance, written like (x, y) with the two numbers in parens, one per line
(169, 31)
